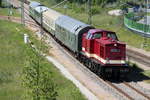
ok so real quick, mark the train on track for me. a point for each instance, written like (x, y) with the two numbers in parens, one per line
(100, 50)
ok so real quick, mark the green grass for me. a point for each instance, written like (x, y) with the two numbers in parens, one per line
(5, 12)
(147, 73)
(11, 61)
(13, 54)
(104, 21)
(148, 14)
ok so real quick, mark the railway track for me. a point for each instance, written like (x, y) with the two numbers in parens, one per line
(129, 91)
(139, 92)
(143, 59)
(122, 91)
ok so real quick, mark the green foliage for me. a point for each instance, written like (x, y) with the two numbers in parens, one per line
(78, 9)
(38, 79)
(11, 61)
(0, 3)
(95, 10)
(5, 12)
(147, 73)
(5, 77)
(47, 87)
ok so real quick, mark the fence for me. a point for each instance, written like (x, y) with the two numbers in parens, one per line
(133, 25)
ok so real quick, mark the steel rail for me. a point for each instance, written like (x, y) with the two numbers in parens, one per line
(125, 83)
(118, 89)
(139, 57)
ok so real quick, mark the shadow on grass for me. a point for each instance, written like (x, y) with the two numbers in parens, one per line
(137, 74)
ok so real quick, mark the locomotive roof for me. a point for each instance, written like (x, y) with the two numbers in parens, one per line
(99, 30)
(70, 24)
(41, 9)
(107, 41)
(34, 4)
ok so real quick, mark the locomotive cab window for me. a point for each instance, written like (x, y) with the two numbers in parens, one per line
(112, 35)
(97, 36)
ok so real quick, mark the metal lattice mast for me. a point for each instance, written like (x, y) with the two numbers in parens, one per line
(89, 12)
(9, 8)
(41, 30)
(22, 13)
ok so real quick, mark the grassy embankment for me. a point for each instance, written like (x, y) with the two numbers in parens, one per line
(5, 12)
(103, 21)
(13, 53)
(6, 9)
(147, 73)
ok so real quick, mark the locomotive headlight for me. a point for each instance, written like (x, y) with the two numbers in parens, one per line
(115, 44)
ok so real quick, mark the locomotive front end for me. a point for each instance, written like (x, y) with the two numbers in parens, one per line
(106, 54)
(115, 55)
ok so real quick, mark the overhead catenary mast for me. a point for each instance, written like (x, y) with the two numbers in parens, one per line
(9, 5)
(22, 12)
(89, 12)
(41, 30)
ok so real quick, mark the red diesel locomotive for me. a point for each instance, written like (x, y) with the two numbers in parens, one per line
(104, 54)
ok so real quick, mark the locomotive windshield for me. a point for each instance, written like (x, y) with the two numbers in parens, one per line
(94, 36)
(97, 36)
(112, 35)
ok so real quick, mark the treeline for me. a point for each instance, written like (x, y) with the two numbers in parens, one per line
(98, 2)
(95, 2)
(0, 3)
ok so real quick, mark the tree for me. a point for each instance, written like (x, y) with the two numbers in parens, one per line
(0, 3)
(37, 78)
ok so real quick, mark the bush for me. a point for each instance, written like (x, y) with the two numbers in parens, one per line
(77, 9)
(95, 10)
(37, 78)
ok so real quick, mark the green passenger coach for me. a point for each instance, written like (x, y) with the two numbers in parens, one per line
(70, 31)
